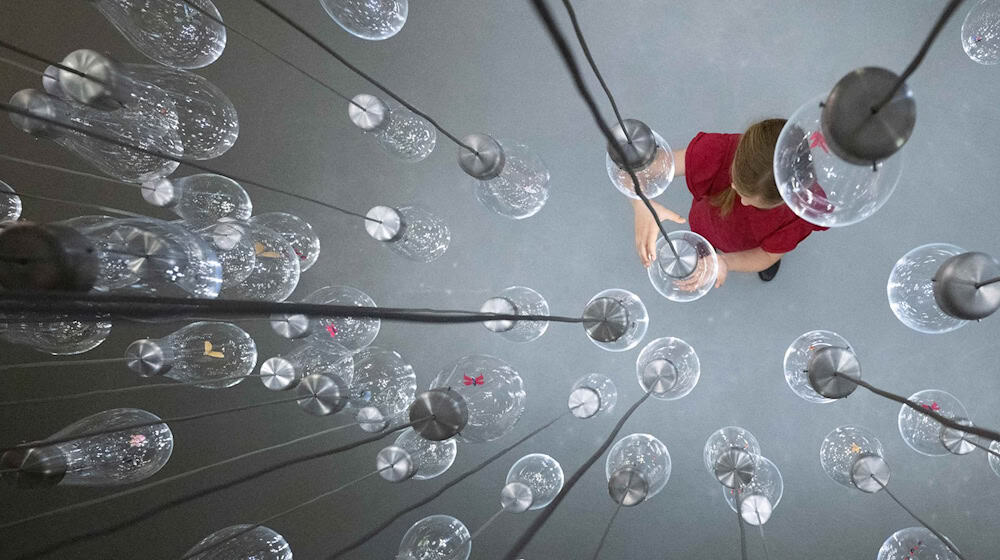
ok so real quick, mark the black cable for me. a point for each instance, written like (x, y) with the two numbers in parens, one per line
(97, 207)
(942, 20)
(44, 60)
(67, 170)
(607, 529)
(69, 541)
(412, 507)
(743, 535)
(544, 515)
(119, 390)
(940, 537)
(987, 282)
(984, 448)
(58, 363)
(358, 71)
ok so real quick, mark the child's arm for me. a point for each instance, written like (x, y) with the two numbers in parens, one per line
(753, 260)
(646, 229)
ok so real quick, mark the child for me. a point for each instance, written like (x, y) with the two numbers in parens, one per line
(736, 206)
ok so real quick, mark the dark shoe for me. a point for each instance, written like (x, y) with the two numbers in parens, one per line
(770, 272)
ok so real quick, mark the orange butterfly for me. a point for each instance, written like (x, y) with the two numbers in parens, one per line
(212, 353)
(262, 251)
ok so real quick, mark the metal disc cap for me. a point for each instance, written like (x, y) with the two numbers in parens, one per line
(584, 402)
(628, 487)
(371, 419)
(955, 286)
(958, 442)
(42, 105)
(372, 114)
(384, 224)
(35, 467)
(831, 369)
(502, 306)
(97, 89)
(868, 469)
(516, 497)
(439, 414)
(487, 159)
(295, 325)
(50, 257)
(278, 374)
(147, 358)
(681, 266)
(735, 468)
(639, 146)
(394, 464)
(659, 376)
(605, 319)
(755, 509)
(321, 394)
(160, 192)
(853, 131)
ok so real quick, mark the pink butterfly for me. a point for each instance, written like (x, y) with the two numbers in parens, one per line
(932, 406)
(136, 440)
(332, 330)
(470, 381)
(817, 139)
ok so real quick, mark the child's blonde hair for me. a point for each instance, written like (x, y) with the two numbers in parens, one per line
(753, 169)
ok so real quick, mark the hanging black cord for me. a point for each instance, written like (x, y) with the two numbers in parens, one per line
(940, 537)
(607, 529)
(743, 535)
(86, 131)
(987, 282)
(97, 207)
(984, 448)
(942, 20)
(544, 515)
(44, 60)
(358, 71)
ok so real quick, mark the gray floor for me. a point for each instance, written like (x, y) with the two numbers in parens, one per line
(488, 67)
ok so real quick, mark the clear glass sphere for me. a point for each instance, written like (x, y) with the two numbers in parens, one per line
(600, 385)
(522, 187)
(725, 439)
(820, 187)
(200, 199)
(911, 289)
(353, 333)
(644, 453)
(215, 354)
(233, 245)
(493, 392)
(382, 379)
(542, 474)
(636, 319)
(424, 236)
(688, 277)
(517, 300)
(923, 433)
(797, 361)
(10, 206)
(668, 367)
(256, 543)
(914, 543)
(373, 20)
(275, 273)
(58, 335)
(981, 32)
(430, 458)
(758, 498)
(994, 460)
(437, 537)
(842, 447)
(653, 179)
(406, 136)
(296, 231)
(310, 358)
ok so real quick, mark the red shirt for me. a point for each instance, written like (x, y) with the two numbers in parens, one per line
(706, 168)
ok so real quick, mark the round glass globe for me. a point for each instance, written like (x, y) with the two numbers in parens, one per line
(437, 537)
(923, 433)
(373, 20)
(910, 289)
(820, 187)
(353, 333)
(517, 300)
(723, 440)
(668, 367)
(241, 541)
(691, 274)
(382, 379)
(10, 205)
(233, 245)
(842, 447)
(914, 543)
(797, 361)
(994, 460)
(981, 32)
(636, 319)
(493, 392)
(542, 474)
(646, 455)
(296, 231)
(430, 458)
(521, 189)
(585, 389)
(275, 273)
(653, 179)
(759, 497)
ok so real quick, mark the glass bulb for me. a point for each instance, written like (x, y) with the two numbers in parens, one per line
(436, 537)
(517, 300)
(724, 440)
(109, 459)
(493, 392)
(233, 245)
(522, 187)
(353, 333)
(914, 543)
(820, 187)
(923, 433)
(668, 367)
(398, 131)
(688, 277)
(275, 273)
(842, 447)
(297, 232)
(284, 371)
(58, 335)
(646, 455)
(981, 32)
(420, 236)
(430, 458)
(256, 543)
(635, 319)
(373, 20)
(135, 125)
(994, 460)
(797, 358)
(758, 498)
(910, 289)
(10, 206)
(201, 198)
(653, 179)
(541, 474)
(216, 355)
(382, 379)
(583, 391)
(172, 33)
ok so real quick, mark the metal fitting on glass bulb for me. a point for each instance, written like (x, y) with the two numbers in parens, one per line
(322, 395)
(638, 145)
(485, 161)
(962, 288)
(367, 112)
(868, 471)
(734, 468)
(831, 370)
(43, 105)
(35, 467)
(103, 85)
(628, 487)
(385, 224)
(439, 414)
(147, 358)
(605, 319)
(395, 464)
(516, 497)
(501, 306)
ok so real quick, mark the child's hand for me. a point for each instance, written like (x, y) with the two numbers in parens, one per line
(720, 279)
(646, 229)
